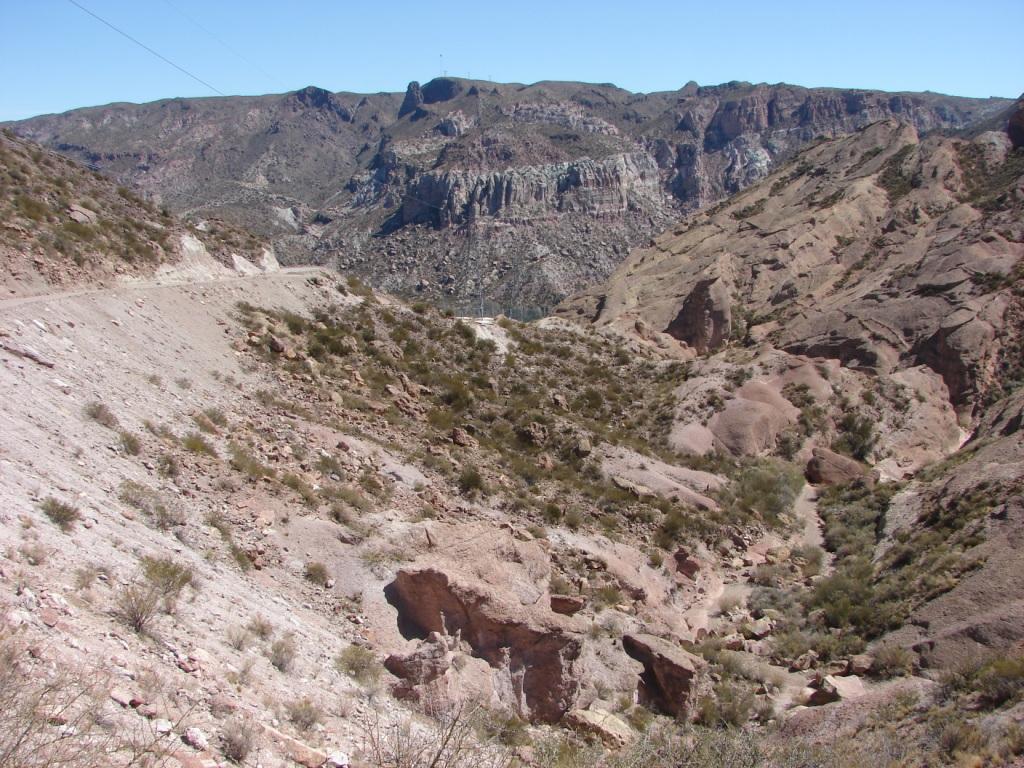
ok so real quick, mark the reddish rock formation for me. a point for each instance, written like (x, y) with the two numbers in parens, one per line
(538, 656)
(671, 677)
(830, 468)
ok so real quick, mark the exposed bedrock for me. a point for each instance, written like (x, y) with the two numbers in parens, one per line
(534, 658)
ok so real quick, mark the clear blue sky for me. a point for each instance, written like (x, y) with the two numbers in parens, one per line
(55, 57)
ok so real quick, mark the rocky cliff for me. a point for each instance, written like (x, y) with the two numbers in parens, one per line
(558, 180)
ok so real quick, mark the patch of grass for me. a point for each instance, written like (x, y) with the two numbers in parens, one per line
(751, 210)
(151, 503)
(893, 178)
(471, 482)
(607, 596)
(223, 527)
(247, 464)
(892, 660)
(301, 487)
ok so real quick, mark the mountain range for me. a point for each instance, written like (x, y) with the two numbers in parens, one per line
(468, 191)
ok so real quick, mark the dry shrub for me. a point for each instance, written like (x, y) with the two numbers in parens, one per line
(317, 573)
(137, 604)
(101, 414)
(239, 737)
(55, 715)
(304, 713)
(282, 653)
(261, 627)
(63, 515)
(449, 739)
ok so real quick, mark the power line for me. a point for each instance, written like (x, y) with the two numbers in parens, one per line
(146, 47)
(225, 46)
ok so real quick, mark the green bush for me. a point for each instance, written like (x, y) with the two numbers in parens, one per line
(1001, 681)
(857, 438)
(168, 578)
(730, 706)
(471, 481)
(767, 490)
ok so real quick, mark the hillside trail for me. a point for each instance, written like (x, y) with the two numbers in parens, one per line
(142, 286)
(734, 587)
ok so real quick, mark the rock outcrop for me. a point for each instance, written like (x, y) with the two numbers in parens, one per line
(704, 321)
(672, 677)
(534, 657)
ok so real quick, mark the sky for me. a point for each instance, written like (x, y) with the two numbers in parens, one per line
(55, 56)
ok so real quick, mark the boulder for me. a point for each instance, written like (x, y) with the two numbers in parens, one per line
(462, 438)
(671, 676)
(833, 688)
(609, 728)
(534, 433)
(567, 605)
(686, 564)
(757, 630)
(830, 468)
(81, 215)
(637, 489)
(423, 665)
(804, 661)
(195, 738)
(860, 664)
